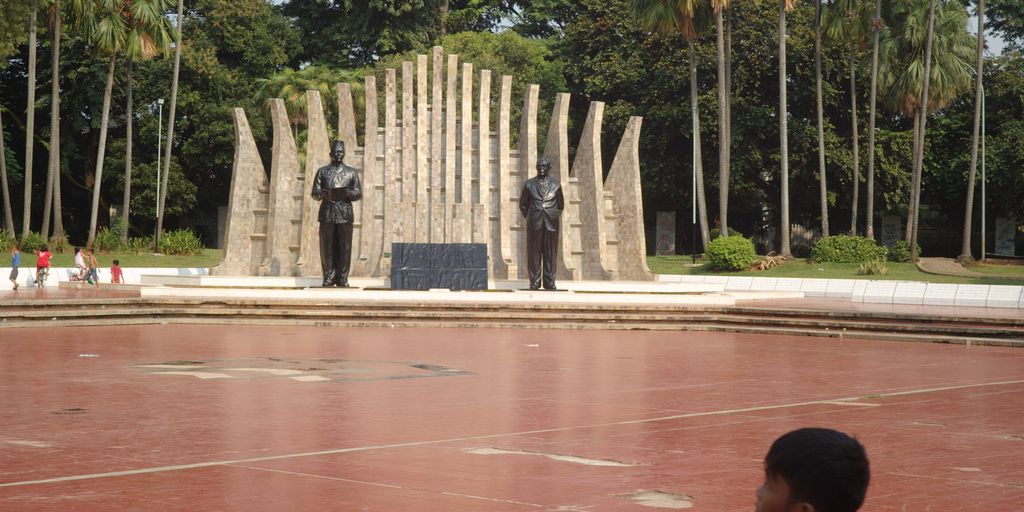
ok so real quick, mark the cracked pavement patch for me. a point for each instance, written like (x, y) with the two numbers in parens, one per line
(660, 499)
(554, 456)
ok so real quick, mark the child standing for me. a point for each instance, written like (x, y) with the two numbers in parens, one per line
(43, 256)
(80, 263)
(92, 276)
(15, 263)
(116, 276)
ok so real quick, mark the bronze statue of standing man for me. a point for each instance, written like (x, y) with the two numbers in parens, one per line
(336, 185)
(541, 203)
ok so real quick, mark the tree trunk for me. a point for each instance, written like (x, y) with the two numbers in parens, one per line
(170, 122)
(784, 250)
(698, 164)
(53, 165)
(822, 176)
(728, 86)
(911, 201)
(30, 120)
(54, 160)
(129, 120)
(723, 136)
(8, 217)
(965, 248)
(856, 140)
(104, 122)
(919, 164)
(876, 27)
(442, 16)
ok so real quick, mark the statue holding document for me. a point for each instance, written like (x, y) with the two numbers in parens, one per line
(336, 185)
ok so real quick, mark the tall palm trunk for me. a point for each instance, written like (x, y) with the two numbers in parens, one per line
(100, 153)
(965, 248)
(170, 122)
(728, 87)
(30, 119)
(723, 130)
(54, 160)
(129, 119)
(855, 130)
(698, 163)
(51, 168)
(784, 250)
(912, 201)
(919, 164)
(876, 23)
(822, 177)
(8, 218)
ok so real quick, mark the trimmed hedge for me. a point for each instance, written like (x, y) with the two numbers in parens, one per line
(847, 249)
(901, 252)
(731, 253)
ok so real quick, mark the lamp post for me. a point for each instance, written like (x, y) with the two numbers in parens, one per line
(159, 136)
(693, 192)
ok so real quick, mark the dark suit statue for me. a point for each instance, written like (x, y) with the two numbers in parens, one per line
(541, 203)
(336, 186)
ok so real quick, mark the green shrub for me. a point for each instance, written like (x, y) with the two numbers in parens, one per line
(137, 245)
(847, 249)
(31, 242)
(872, 268)
(106, 241)
(59, 244)
(7, 240)
(713, 233)
(901, 252)
(182, 241)
(731, 253)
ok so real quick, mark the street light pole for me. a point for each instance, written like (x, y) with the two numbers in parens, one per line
(159, 137)
(693, 192)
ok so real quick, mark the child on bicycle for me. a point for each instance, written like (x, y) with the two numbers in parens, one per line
(43, 256)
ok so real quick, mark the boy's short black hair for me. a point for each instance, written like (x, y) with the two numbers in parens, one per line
(44, 247)
(823, 467)
(117, 262)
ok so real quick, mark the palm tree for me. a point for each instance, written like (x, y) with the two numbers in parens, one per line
(876, 28)
(847, 23)
(919, 160)
(784, 5)
(30, 119)
(8, 218)
(136, 27)
(719, 7)
(52, 197)
(821, 119)
(170, 121)
(683, 18)
(965, 248)
(905, 62)
(149, 35)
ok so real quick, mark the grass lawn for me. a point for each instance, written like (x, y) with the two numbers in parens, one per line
(680, 265)
(208, 258)
(1009, 270)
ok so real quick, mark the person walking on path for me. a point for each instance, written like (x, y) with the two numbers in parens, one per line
(15, 263)
(92, 276)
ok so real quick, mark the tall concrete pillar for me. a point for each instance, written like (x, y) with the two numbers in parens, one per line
(449, 193)
(624, 183)
(505, 267)
(347, 133)
(557, 149)
(318, 149)
(422, 153)
(243, 249)
(372, 238)
(285, 218)
(464, 173)
(408, 201)
(437, 148)
(391, 210)
(527, 166)
(588, 169)
(484, 215)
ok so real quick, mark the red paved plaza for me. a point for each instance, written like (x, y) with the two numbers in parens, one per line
(262, 418)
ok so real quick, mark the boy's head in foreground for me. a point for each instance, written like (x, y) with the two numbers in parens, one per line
(814, 470)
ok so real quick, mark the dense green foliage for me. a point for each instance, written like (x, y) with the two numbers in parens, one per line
(847, 249)
(238, 53)
(30, 242)
(181, 242)
(7, 239)
(731, 253)
(900, 252)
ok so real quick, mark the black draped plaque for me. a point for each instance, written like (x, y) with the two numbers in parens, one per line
(426, 266)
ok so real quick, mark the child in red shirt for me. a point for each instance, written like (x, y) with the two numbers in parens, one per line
(116, 276)
(43, 256)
